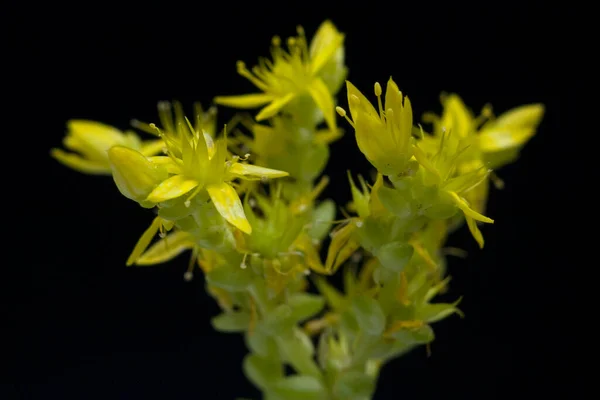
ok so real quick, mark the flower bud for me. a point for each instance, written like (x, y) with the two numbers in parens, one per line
(134, 174)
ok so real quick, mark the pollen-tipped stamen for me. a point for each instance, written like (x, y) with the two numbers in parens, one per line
(378, 92)
(342, 113)
(243, 71)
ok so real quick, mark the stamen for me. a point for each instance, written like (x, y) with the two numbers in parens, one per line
(189, 274)
(142, 126)
(243, 264)
(243, 71)
(378, 92)
(496, 180)
(343, 114)
(188, 202)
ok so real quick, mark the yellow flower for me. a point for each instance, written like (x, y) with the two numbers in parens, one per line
(493, 141)
(440, 170)
(291, 74)
(493, 144)
(384, 137)
(197, 163)
(90, 142)
(171, 115)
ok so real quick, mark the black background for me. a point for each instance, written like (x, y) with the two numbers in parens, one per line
(94, 328)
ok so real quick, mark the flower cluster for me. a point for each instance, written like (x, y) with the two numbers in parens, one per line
(245, 202)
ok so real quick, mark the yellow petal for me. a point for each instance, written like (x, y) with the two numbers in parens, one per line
(171, 188)
(363, 105)
(342, 246)
(499, 139)
(456, 117)
(472, 224)
(94, 138)
(251, 172)
(304, 244)
(166, 162)
(276, 105)
(425, 162)
(468, 211)
(328, 136)
(524, 116)
(245, 100)
(80, 164)
(323, 46)
(144, 241)
(152, 147)
(166, 249)
(228, 204)
(324, 100)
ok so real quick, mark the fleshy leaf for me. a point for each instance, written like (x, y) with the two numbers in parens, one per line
(395, 256)
(261, 371)
(369, 315)
(300, 387)
(305, 305)
(235, 321)
(232, 278)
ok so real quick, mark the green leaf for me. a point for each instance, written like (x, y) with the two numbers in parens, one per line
(279, 320)
(300, 387)
(298, 350)
(230, 278)
(261, 343)
(322, 216)
(395, 256)
(396, 202)
(354, 385)
(368, 314)
(421, 335)
(305, 305)
(261, 371)
(440, 211)
(231, 321)
(335, 299)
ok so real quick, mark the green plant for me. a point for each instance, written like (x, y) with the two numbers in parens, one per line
(256, 230)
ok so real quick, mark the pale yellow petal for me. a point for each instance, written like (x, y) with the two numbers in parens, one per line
(324, 45)
(95, 138)
(167, 162)
(468, 211)
(524, 116)
(171, 188)
(228, 204)
(144, 241)
(152, 147)
(363, 104)
(343, 245)
(249, 172)
(275, 106)
(328, 136)
(245, 100)
(504, 138)
(80, 164)
(474, 229)
(457, 118)
(324, 100)
(166, 249)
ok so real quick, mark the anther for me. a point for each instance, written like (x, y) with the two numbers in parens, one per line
(343, 114)
(378, 90)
